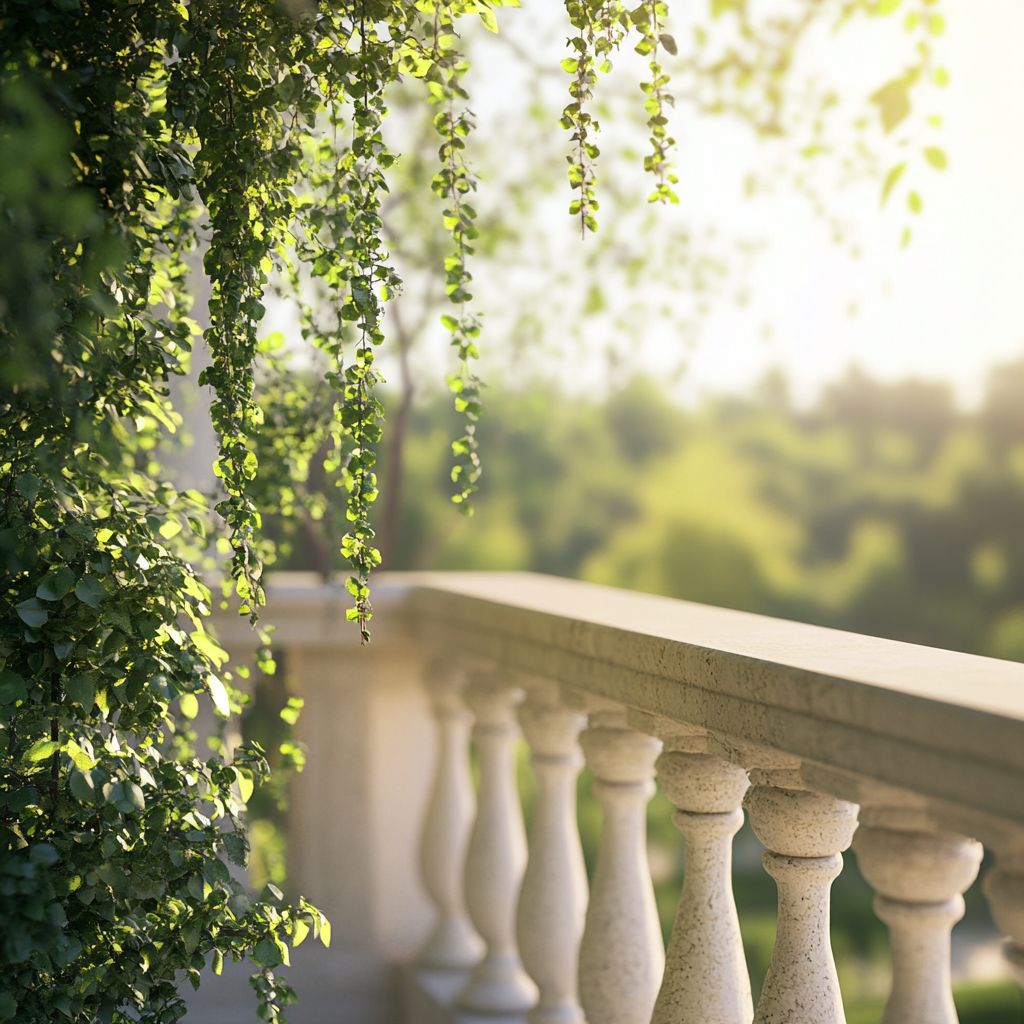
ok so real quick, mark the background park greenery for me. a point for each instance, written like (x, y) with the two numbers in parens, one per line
(883, 508)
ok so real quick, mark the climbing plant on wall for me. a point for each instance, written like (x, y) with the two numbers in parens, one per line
(131, 134)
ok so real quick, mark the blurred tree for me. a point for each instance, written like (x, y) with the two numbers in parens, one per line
(883, 509)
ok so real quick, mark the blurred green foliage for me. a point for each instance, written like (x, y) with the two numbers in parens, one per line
(883, 509)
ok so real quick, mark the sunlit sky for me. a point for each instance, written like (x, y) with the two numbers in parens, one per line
(950, 305)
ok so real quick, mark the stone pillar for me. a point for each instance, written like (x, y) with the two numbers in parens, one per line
(622, 955)
(449, 818)
(706, 979)
(1004, 887)
(497, 853)
(919, 878)
(553, 900)
(805, 833)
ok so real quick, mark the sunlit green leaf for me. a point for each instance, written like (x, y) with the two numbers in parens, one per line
(42, 749)
(891, 179)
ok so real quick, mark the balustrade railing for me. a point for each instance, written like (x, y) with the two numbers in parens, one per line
(823, 738)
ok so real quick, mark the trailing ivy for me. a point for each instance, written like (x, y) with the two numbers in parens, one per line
(132, 135)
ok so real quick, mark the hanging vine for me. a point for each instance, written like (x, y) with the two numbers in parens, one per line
(453, 182)
(131, 134)
(649, 19)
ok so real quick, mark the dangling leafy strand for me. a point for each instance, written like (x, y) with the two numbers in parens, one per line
(648, 20)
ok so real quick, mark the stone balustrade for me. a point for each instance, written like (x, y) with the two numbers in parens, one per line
(914, 756)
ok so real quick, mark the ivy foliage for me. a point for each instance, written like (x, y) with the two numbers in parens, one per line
(132, 134)
(128, 130)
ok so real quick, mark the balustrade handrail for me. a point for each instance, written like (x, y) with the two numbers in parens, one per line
(941, 723)
(820, 735)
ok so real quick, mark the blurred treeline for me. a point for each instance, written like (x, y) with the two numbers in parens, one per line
(883, 509)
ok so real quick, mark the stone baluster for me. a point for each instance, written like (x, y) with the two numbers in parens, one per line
(1004, 887)
(706, 979)
(553, 900)
(621, 955)
(453, 943)
(918, 878)
(805, 833)
(497, 853)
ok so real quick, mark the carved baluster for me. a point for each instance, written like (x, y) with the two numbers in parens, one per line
(454, 943)
(553, 900)
(1004, 887)
(918, 878)
(622, 955)
(497, 854)
(805, 833)
(706, 980)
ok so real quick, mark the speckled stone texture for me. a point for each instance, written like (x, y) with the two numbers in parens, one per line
(1004, 887)
(804, 833)
(449, 818)
(553, 901)
(918, 878)
(706, 980)
(497, 856)
(622, 957)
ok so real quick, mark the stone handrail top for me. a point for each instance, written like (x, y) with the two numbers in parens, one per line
(944, 726)
(556, 607)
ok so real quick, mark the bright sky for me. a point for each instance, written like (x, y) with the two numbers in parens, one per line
(952, 303)
(949, 306)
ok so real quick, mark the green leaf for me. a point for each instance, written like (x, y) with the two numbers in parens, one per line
(669, 43)
(126, 796)
(90, 591)
(12, 687)
(196, 887)
(245, 783)
(56, 585)
(82, 786)
(936, 157)
(27, 485)
(216, 870)
(189, 705)
(893, 101)
(571, 66)
(236, 848)
(220, 696)
(914, 202)
(81, 760)
(42, 749)
(267, 954)
(488, 18)
(886, 7)
(890, 180)
(32, 613)
(208, 647)
(171, 528)
(81, 691)
(300, 929)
